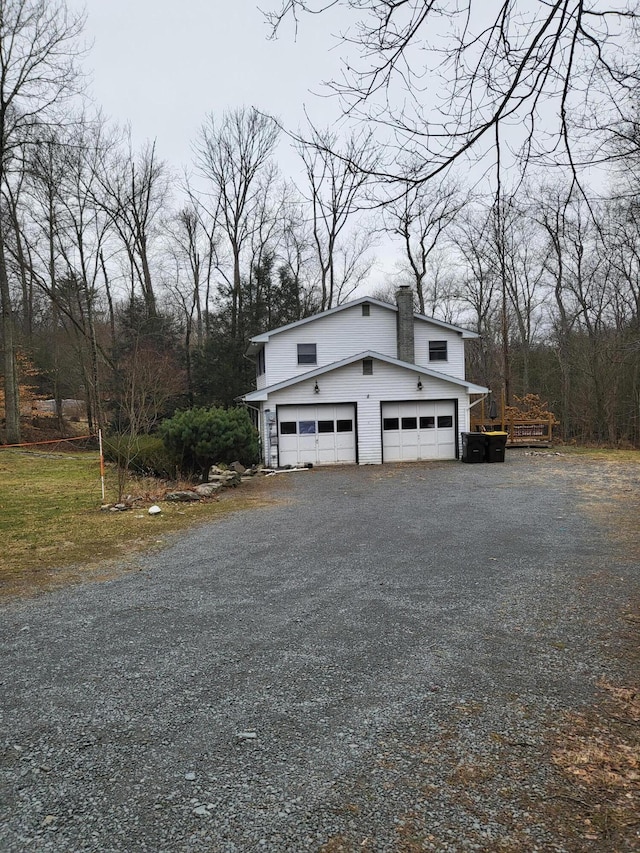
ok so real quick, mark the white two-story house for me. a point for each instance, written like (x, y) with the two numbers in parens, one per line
(365, 382)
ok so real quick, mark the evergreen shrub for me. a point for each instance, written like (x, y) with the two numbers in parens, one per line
(198, 438)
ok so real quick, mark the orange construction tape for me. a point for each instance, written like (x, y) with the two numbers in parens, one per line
(49, 441)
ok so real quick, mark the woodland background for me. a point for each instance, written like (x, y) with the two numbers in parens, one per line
(135, 289)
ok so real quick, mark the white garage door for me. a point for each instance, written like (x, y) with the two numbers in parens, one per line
(322, 435)
(418, 430)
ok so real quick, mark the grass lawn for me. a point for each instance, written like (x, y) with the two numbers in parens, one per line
(53, 531)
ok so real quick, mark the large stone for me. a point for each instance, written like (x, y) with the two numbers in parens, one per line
(182, 496)
(206, 490)
(228, 478)
(238, 467)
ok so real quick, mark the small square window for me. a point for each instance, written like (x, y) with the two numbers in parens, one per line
(437, 350)
(366, 309)
(391, 423)
(326, 426)
(307, 354)
(409, 423)
(427, 422)
(288, 428)
(445, 421)
(367, 367)
(344, 426)
(307, 427)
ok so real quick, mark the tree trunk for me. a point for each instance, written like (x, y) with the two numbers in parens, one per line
(11, 390)
(55, 314)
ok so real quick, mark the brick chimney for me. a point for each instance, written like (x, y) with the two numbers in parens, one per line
(404, 300)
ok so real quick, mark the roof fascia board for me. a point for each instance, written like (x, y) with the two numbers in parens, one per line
(263, 393)
(263, 338)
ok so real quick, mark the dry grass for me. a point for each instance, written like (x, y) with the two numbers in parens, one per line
(53, 530)
(607, 486)
(598, 754)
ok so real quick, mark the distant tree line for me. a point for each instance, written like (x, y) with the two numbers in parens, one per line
(137, 291)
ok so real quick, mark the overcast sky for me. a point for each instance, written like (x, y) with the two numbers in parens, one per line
(162, 65)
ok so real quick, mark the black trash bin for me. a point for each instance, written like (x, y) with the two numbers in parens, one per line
(496, 443)
(473, 446)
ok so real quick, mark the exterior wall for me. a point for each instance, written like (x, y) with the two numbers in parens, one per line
(454, 365)
(347, 332)
(388, 383)
(463, 419)
(336, 337)
(261, 378)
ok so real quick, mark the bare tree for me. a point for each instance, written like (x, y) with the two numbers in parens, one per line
(298, 266)
(335, 192)
(419, 218)
(491, 65)
(86, 233)
(233, 157)
(134, 192)
(478, 289)
(47, 165)
(59, 234)
(192, 247)
(38, 70)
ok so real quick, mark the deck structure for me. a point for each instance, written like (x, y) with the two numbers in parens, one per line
(522, 431)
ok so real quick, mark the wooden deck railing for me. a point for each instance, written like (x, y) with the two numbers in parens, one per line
(520, 431)
(525, 432)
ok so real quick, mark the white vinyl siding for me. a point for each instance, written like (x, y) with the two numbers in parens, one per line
(337, 336)
(454, 363)
(388, 383)
(346, 332)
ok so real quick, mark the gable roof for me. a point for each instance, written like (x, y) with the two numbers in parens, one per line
(263, 393)
(263, 338)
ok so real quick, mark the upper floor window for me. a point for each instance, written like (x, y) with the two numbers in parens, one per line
(260, 362)
(307, 354)
(367, 367)
(437, 350)
(366, 309)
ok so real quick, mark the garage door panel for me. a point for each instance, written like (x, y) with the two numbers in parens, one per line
(320, 435)
(418, 430)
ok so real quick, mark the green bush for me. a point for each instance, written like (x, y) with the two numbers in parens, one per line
(199, 438)
(144, 454)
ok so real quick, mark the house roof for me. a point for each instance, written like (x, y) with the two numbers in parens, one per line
(257, 341)
(263, 393)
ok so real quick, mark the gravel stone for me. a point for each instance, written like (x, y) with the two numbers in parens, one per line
(403, 639)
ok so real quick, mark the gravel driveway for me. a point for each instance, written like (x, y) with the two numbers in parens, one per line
(372, 662)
